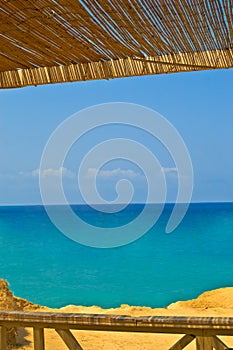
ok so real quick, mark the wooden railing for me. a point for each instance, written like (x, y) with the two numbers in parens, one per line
(204, 330)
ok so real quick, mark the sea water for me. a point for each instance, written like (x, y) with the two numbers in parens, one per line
(45, 267)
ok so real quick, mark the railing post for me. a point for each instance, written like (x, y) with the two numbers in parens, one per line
(204, 343)
(3, 338)
(38, 334)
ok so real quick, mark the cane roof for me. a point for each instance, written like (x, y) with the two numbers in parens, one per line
(53, 41)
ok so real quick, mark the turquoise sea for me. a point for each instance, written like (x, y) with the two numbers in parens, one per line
(45, 267)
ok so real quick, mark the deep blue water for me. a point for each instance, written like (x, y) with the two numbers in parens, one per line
(45, 267)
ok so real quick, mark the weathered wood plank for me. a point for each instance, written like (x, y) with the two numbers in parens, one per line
(38, 334)
(218, 344)
(69, 339)
(204, 343)
(183, 342)
(3, 338)
(155, 324)
(198, 326)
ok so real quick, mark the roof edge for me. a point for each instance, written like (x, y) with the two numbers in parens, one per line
(124, 67)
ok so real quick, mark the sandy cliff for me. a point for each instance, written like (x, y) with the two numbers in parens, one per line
(212, 303)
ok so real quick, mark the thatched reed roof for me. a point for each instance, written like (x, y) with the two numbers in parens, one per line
(52, 41)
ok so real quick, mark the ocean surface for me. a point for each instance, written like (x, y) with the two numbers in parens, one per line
(45, 267)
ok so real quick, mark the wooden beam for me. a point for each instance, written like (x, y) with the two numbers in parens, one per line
(3, 338)
(198, 326)
(204, 343)
(69, 339)
(183, 342)
(218, 344)
(38, 334)
(177, 64)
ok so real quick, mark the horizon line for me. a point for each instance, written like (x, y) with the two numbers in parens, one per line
(100, 204)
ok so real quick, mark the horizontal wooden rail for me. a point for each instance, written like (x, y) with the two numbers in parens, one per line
(203, 329)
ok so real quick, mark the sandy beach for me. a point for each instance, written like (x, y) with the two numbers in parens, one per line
(212, 303)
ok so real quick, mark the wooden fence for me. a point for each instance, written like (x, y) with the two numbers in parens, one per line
(203, 330)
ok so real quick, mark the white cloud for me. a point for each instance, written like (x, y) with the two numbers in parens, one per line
(92, 172)
(173, 173)
(169, 170)
(49, 172)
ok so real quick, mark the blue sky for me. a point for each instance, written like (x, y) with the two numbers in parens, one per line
(198, 104)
